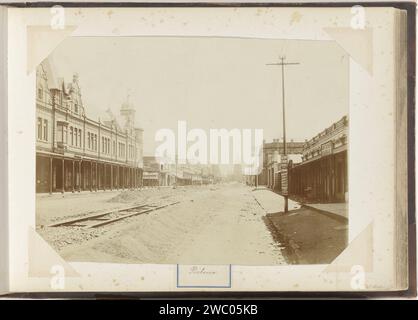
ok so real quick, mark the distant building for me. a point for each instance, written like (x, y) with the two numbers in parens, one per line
(193, 174)
(161, 172)
(157, 172)
(272, 152)
(322, 174)
(277, 147)
(75, 152)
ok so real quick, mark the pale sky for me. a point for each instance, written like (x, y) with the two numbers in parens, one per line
(209, 82)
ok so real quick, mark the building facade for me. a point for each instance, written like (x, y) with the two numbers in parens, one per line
(156, 172)
(75, 152)
(161, 172)
(322, 174)
(272, 153)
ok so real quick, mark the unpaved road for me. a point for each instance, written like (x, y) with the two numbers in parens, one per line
(220, 224)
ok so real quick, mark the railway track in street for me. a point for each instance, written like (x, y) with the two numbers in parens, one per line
(100, 219)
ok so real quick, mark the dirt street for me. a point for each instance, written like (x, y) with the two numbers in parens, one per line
(218, 224)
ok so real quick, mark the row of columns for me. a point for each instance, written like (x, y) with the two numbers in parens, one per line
(77, 175)
(324, 179)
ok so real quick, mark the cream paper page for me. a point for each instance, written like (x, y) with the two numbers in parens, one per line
(371, 138)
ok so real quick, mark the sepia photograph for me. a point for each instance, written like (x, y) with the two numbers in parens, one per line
(208, 150)
(193, 150)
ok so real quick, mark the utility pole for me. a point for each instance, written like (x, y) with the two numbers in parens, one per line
(284, 157)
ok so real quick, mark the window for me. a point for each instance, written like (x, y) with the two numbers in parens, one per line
(88, 140)
(75, 137)
(40, 93)
(39, 128)
(45, 130)
(79, 138)
(122, 151)
(75, 107)
(64, 134)
(72, 136)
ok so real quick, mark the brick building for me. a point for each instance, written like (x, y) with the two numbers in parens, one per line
(75, 152)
